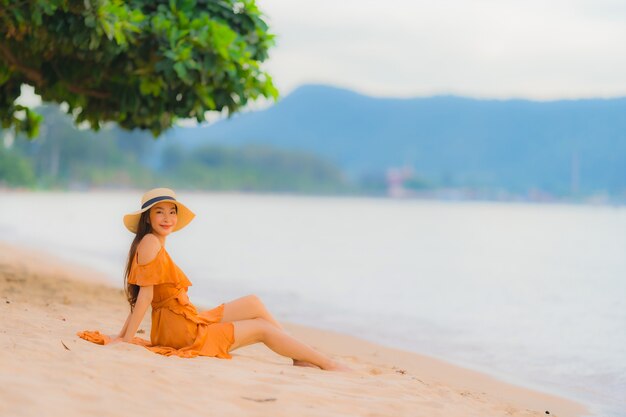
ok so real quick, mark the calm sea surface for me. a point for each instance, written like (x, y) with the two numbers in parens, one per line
(533, 294)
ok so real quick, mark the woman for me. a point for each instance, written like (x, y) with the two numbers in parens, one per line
(152, 278)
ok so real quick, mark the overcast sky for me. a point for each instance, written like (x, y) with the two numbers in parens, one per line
(535, 49)
(538, 49)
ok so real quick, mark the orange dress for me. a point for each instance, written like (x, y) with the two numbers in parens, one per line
(177, 327)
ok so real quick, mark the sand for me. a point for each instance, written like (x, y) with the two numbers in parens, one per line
(46, 370)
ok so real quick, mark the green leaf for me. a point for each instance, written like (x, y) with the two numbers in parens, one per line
(181, 70)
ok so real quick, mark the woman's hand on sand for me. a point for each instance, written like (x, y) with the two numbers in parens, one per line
(114, 339)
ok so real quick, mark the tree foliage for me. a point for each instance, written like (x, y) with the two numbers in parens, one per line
(15, 170)
(251, 168)
(64, 157)
(140, 63)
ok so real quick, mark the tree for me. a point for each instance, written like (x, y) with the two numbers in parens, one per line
(15, 170)
(140, 63)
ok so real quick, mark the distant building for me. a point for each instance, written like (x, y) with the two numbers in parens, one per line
(396, 178)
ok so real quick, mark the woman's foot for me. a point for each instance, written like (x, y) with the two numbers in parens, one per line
(338, 366)
(297, 362)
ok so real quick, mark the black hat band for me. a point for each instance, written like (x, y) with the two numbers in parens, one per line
(156, 200)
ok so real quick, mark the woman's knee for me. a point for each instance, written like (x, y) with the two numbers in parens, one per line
(254, 299)
(251, 331)
(256, 304)
(264, 328)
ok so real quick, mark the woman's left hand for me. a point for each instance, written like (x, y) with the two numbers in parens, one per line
(114, 339)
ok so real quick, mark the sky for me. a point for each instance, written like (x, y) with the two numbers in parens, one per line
(535, 49)
(532, 49)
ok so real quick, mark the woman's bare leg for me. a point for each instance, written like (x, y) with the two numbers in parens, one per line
(251, 307)
(248, 307)
(259, 330)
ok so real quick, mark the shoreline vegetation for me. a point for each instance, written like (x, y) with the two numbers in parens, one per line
(66, 158)
(47, 369)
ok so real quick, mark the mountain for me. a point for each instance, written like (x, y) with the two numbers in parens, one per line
(558, 146)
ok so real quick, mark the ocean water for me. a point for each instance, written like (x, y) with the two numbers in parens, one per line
(532, 294)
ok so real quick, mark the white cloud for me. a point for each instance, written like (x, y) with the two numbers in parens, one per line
(486, 48)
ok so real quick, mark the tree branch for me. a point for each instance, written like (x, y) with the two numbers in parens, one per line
(76, 89)
(30, 73)
(36, 76)
(93, 93)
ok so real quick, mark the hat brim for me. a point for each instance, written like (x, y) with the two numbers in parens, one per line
(184, 216)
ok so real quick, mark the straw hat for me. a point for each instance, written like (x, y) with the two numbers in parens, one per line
(152, 197)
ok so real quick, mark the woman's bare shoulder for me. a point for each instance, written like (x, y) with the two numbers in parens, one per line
(148, 249)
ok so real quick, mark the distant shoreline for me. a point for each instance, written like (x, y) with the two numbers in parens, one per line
(441, 195)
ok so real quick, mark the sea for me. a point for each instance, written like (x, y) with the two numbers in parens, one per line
(533, 294)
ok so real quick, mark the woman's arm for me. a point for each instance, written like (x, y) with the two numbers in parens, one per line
(123, 331)
(134, 319)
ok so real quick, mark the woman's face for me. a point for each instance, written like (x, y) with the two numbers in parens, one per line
(163, 218)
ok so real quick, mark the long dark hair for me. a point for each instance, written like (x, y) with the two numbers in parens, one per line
(143, 228)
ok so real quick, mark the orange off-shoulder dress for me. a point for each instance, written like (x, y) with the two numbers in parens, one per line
(177, 327)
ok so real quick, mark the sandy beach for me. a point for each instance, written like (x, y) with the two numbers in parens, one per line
(46, 369)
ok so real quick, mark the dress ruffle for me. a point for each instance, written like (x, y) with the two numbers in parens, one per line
(160, 270)
(207, 332)
(98, 338)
